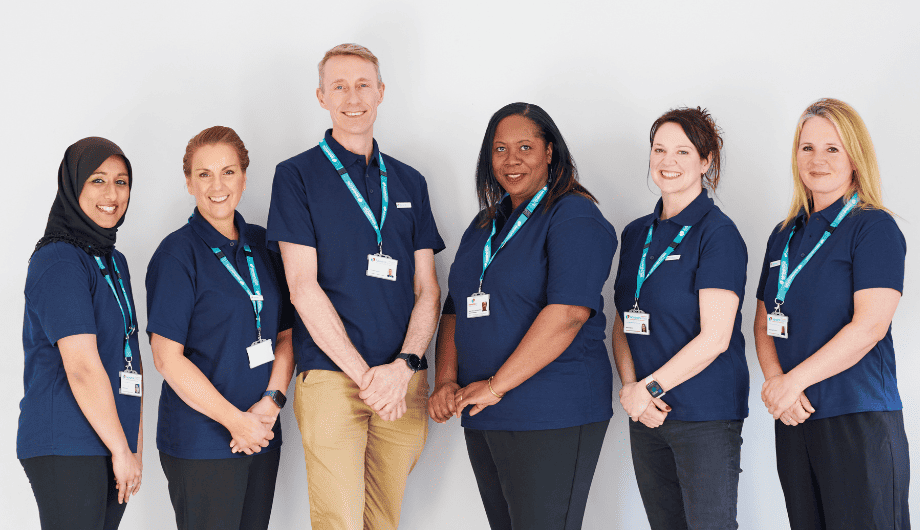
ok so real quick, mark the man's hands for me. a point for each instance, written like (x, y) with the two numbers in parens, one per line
(384, 389)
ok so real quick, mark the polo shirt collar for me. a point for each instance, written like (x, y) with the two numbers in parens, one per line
(829, 214)
(210, 235)
(347, 157)
(690, 215)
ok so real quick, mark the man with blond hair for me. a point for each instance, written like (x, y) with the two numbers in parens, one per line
(357, 236)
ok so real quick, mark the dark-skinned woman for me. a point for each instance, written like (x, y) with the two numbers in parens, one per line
(520, 351)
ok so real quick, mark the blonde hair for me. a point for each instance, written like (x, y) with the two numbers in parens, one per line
(350, 49)
(856, 142)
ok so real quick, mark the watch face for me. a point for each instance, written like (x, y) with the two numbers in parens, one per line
(654, 389)
(414, 361)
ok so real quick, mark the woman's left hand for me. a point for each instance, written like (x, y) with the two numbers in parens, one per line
(476, 394)
(635, 399)
(779, 393)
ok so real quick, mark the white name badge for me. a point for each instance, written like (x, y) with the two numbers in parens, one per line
(775, 263)
(672, 257)
(132, 384)
(478, 305)
(383, 267)
(636, 323)
(404, 205)
(260, 353)
(778, 326)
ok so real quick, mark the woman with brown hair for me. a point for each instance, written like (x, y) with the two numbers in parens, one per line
(679, 289)
(216, 300)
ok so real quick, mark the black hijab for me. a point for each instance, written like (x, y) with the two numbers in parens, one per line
(67, 221)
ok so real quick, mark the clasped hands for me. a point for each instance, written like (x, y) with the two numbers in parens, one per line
(641, 406)
(785, 399)
(252, 429)
(448, 399)
(384, 387)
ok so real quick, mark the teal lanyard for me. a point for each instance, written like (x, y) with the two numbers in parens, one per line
(487, 255)
(128, 319)
(641, 276)
(385, 197)
(786, 282)
(255, 299)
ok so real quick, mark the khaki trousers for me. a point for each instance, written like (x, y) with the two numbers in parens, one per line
(357, 464)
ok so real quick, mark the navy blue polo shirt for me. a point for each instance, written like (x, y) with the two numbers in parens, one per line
(867, 250)
(193, 299)
(66, 294)
(559, 256)
(311, 206)
(711, 256)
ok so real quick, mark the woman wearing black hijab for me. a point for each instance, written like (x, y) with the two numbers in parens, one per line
(80, 428)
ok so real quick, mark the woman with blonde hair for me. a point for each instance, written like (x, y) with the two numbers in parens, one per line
(834, 269)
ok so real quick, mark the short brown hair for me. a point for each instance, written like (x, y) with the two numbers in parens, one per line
(350, 49)
(703, 133)
(213, 136)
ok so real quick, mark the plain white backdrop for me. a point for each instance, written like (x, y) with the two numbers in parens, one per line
(149, 76)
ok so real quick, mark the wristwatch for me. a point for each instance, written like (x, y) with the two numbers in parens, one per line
(276, 396)
(653, 387)
(413, 360)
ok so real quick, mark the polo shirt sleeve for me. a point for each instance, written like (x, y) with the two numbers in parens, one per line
(579, 254)
(170, 297)
(288, 215)
(288, 313)
(878, 256)
(60, 296)
(426, 231)
(723, 261)
(765, 270)
(449, 308)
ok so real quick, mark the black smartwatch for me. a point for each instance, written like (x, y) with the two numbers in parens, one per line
(653, 387)
(413, 360)
(276, 396)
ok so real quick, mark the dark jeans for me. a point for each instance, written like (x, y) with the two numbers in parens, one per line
(75, 492)
(223, 493)
(688, 473)
(535, 480)
(849, 471)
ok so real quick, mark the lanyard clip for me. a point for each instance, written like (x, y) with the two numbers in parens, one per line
(635, 308)
(380, 248)
(128, 367)
(778, 302)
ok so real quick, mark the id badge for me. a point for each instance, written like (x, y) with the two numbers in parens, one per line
(636, 323)
(383, 267)
(132, 384)
(778, 326)
(478, 305)
(260, 353)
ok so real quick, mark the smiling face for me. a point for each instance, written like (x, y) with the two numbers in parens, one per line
(104, 197)
(351, 94)
(823, 164)
(675, 163)
(520, 158)
(217, 182)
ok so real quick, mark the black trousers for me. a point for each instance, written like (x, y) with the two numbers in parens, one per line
(75, 492)
(845, 472)
(223, 493)
(535, 480)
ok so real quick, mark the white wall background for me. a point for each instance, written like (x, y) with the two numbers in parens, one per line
(150, 76)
